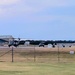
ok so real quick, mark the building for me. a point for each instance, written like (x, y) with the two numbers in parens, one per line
(4, 39)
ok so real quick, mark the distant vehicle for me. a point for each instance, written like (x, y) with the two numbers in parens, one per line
(41, 44)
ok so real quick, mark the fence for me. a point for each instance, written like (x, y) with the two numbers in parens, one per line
(37, 54)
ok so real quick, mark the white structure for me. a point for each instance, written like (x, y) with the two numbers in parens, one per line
(27, 43)
(71, 52)
(49, 45)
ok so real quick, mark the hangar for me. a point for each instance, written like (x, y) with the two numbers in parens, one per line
(4, 39)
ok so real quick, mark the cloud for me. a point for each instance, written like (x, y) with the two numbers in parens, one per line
(8, 2)
(7, 7)
(10, 8)
(43, 4)
(40, 5)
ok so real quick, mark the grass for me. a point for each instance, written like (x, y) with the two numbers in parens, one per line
(37, 68)
(39, 55)
(46, 62)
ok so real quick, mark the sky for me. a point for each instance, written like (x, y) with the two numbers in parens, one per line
(38, 19)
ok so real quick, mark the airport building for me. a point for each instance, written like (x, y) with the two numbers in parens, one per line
(4, 39)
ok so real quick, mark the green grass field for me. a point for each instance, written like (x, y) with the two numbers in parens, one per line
(18, 68)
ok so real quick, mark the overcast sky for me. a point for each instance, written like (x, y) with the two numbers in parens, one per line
(38, 19)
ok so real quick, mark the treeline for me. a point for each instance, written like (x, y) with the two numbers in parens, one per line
(37, 42)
